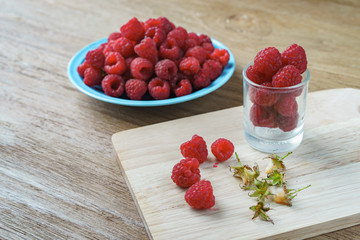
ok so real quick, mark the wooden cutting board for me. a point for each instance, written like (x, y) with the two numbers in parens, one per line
(328, 159)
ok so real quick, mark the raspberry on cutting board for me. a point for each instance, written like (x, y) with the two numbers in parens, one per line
(195, 148)
(200, 195)
(186, 172)
(222, 149)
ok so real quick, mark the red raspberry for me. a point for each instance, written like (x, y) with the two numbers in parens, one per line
(183, 87)
(102, 46)
(192, 41)
(197, 52)
(165, 69)
(213, 68)
(92, 76)
(124, 46)
(113, 36)
(263, 116)
(268, 61)
(295, 55)
(95, 58)
(176, 79)
(222, 55)
(286, 105)
(194, 36)
(209, 48)
(170, 50)
(186, 172)
(200, 195)
(82, 67)
(113, 85)
(114, 63)
(287, 123)
(151, 23)
(222, 149)
(147, 49)
(127, 75)
(195, 148)
(135, 89)
(157, 34)
(141, 68)
(133, 30)
(108, 48)
(262, 95)
(179, 34)
(159, 89)
(189, 66)
(201, 80)
(204, 39)
(255, 76)
(287, 76)
(166, 24)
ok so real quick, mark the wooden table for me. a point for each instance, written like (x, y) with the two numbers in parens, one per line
(59, 176)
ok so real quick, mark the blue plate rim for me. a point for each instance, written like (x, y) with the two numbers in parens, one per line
(77, 81)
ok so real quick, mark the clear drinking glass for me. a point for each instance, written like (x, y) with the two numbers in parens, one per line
(274, 117)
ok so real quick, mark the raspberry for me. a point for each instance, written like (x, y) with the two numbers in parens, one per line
(263, 96)
(268, 61)
(170, 50)
(287, 123)
(157, 34)
(102, 46)
(200, 195)
(176, 79)
(147, 49)
(222, 55)
(189, 66)
(209, 48)
(222, 149)
(192, 41)
(165, 69)
(255, 76)
(108, 48)
(195, 148)
(82, 67)
(141, 68)
(287, 76)
(124, 46)
(159, 89)
(197, 52)
(92, 76)
(113, 36)
(195, 37)
(135, 89)
(204, 39)
(186, 172)
(295, 55)
(133, 30)
(286, 105)
(213, 68)
(179, 34)
(263, 116)
(201, 80)
(114, 63)
(95, 58)
(183, 87)
(113, 85)
(166, 24)
(152, 23)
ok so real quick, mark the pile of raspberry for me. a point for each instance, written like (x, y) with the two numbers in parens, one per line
(153, 58)
(186, 173)
(273, 108)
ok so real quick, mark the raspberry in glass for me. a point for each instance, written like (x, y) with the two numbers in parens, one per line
(262, 116)
(286, 77)
(295, 55)
(263, 95)
(268, 61)
(287, 123)
(286, 105)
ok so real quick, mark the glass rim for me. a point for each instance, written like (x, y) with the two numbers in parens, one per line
(304, 82)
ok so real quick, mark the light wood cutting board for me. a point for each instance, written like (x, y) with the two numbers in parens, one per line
(328, 159)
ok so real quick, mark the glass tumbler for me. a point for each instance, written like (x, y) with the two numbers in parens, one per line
(274, 117)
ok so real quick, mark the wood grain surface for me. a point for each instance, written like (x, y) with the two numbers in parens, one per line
(147, 168)
(59, 178)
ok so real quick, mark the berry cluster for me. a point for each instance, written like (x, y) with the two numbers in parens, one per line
(153, 57)
(271, 107)
(186, 173)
